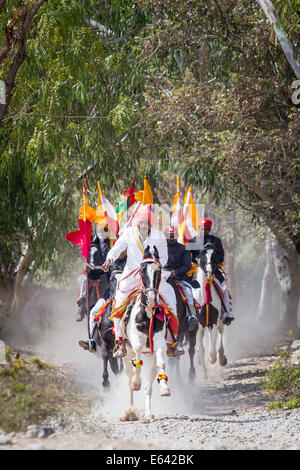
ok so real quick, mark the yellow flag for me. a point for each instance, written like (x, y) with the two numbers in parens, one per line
(145, 197)
(86, 212)
(106, 213)
(190, 220)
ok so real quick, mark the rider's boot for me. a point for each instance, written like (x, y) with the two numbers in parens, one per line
(81, 309)
(120, 349)
(88, 345)
(227, 316)
(192, 317)
(173, 350)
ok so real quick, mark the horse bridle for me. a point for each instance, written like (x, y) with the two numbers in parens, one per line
(151, 289)
(199, 262)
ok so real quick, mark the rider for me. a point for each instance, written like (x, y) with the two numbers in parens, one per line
(206, 225)
(135, 239)
(179, 262)
(100, 246)
(90, 345)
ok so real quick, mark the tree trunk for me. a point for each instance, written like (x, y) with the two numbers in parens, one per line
(16, 45)
(266, 303)
(230, 272)
(287, 46)
(287, 265)
(19, 297)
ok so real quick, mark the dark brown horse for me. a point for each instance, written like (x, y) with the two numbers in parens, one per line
(183, 331)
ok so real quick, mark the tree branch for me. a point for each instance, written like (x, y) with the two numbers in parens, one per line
(20, 55)
(2, 4)
(287, 47)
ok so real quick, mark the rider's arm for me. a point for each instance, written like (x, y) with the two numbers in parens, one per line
(161, 245)
(186, 264)
(119, 246)
(220, 250)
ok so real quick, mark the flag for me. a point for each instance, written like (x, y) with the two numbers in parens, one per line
(127, 201)
(190, 219)
(82, 237)
(176, 208)
(106, 213)
(145, 197)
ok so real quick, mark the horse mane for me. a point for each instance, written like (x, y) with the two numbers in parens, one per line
(208, 246)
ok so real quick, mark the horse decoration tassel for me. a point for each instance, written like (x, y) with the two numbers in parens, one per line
(209, 314)
(136, 363)
(208, 297)
(160, 316)
(102, 310)
(161, 377)
(151, 334)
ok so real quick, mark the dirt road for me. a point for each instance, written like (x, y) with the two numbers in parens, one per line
(226, 411)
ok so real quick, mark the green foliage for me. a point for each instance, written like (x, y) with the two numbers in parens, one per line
(289, 18)
(75, 97)
(283, 380)
(40, 364)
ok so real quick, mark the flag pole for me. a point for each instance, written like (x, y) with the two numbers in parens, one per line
(87, 274)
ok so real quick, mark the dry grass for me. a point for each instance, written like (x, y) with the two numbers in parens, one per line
(31, 390)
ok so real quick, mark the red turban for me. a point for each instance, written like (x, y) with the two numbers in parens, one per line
(171, 229)
(145, 213)
(205, 223)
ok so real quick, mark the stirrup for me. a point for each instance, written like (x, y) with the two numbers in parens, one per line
(192, 323)
(173, 351)
(88, 345)
(120, 350)
(227, 320)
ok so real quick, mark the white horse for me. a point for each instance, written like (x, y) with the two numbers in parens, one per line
(145, 331)
(211, 311)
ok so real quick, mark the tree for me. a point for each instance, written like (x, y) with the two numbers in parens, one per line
(74, 97)
(19, 22)
(226, 110)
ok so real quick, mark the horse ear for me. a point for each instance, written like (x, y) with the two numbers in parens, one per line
(147, 253)
(155, 252)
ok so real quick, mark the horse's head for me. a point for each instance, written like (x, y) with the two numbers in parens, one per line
(208, 259)
(115, 276)
(150, 275)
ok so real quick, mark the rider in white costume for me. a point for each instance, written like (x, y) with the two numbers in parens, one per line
(135, 239)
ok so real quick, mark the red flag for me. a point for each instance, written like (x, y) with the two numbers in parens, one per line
(82, 237)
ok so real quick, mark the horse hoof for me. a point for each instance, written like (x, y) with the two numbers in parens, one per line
(106, 386)
(130, 415)
(213, 358)
(148, 417)
(192, 375)
(135, 386)
(165, 392)
(222, 360)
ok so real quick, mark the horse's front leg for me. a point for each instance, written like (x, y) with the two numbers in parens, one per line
(192, 344)
(105, 358)
(201, 350)
(150, 364)
(222, 357)
(160, 348)
(129, 373)
(213, 344)
(136, 376)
